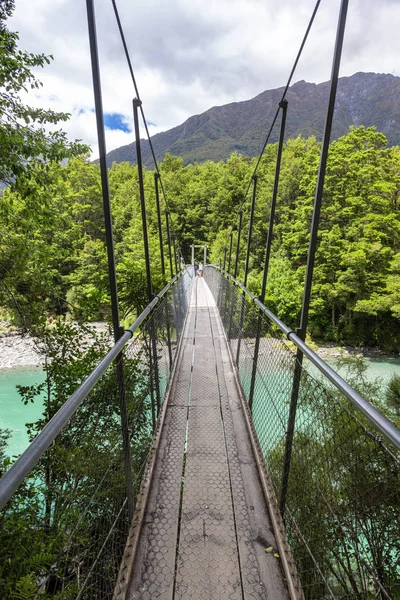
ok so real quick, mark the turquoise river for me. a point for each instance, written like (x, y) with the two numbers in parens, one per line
(14, 414)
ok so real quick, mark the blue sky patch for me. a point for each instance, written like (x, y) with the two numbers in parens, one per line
(116, 121)
(83, 111)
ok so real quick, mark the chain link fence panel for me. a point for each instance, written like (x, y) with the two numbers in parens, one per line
(63, 532)
(342, 507)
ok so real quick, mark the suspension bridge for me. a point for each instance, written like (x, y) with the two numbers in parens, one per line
(212, 453)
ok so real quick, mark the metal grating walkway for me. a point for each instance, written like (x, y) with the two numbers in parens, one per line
(205, 529)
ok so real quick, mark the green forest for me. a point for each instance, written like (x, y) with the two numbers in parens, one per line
(53, 257)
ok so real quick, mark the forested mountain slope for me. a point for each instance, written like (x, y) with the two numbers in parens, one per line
(367, 99)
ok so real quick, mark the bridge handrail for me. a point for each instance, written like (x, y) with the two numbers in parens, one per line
(384, 426)
(13, 478)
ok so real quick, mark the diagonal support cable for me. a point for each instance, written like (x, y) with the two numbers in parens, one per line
(283, 97)
(128, 59)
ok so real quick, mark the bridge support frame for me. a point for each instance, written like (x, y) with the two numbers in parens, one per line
(246, 266)
(160, 235)
(230, 251)
(110, 250)
(238, 243)
(283, 105)
(301, 331)
(153, 351)
(167, 213)
(235, 270)
(204, 246)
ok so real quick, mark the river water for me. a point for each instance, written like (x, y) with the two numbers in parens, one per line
(14, 414)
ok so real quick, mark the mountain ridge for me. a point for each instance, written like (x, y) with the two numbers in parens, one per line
(362, 99)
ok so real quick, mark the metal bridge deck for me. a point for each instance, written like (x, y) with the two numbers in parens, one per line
(206, 526)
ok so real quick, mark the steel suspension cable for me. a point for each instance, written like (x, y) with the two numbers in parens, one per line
(128, 59)
(289, 81)
(299, 53)
(314, 13)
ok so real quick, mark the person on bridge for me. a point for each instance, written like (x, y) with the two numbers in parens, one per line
(196, 269)
(201, 270)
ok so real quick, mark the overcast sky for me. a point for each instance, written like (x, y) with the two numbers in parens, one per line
(189, 55)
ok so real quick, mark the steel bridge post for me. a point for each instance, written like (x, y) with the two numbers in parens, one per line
(235, 270)
(283, 105)
(153, 359)
(223, 300)
(238, 243)
(250, 232)
(246, 266)
(228, 287)
(301, 331)
(160, 235)
(173, 235)
(110, 251)
(136, 104)
(230, 251)
(167, 213)
(156, 178)
(180, 304)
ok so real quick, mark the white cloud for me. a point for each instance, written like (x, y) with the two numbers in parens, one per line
(189, 56)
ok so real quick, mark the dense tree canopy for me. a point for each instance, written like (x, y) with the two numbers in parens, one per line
(52, 248)
(55, 260)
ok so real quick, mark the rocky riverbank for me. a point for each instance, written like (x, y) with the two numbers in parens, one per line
(329, 351)
(20, 351)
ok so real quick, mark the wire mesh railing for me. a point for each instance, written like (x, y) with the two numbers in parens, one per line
(342, 495)
(64, 530)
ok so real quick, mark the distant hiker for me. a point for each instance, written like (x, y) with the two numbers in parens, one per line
(201, 270)
(196, 269)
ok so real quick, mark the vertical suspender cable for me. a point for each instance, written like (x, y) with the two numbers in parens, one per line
(312, 248)
(128, 60)
(160, 235)
(110, 249)
(153, 351)
(238, 243)
(235, 271)
(103, 167)
(136, 104)
(283, 104)
(169, 243)
(250, 232)
(173, 235)
(246, 265)
(230, 251)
